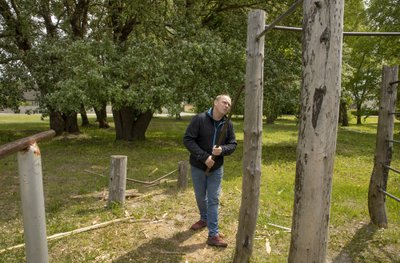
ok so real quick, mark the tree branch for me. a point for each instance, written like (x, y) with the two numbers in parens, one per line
(14, 6)
(219, 8)
(14, 25)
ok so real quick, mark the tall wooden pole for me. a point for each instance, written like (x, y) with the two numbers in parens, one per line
(252, 137)
(384, 147)
(322, 58)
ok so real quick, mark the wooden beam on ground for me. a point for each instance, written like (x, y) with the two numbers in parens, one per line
(81, 230)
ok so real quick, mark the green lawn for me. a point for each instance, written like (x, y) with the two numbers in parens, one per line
(66, 161)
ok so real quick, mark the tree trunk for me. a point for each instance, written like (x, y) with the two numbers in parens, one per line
(320, 95)
(71, 122)
(101, 115)
(85, 119)
(252, 138)
(271, 118)
(123, 120)
(131, 124)
(358, 113)
(61, 122)
(384, 148)
(141, 124)
(344, 119)
(56, 122)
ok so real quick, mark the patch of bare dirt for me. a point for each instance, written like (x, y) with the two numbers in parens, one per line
(169, 238)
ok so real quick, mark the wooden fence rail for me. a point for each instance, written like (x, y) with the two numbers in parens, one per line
(24, 143)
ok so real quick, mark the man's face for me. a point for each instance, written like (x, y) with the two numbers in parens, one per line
(223, 105)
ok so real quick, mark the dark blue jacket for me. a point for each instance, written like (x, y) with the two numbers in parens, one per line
(202, 134)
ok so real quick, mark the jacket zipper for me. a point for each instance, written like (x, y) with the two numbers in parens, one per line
(216, 130)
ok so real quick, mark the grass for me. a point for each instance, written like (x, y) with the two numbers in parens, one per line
(67, 159)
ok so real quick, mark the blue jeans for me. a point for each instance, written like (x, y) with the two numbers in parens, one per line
(207, 189)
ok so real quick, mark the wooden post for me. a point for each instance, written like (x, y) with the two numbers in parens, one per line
(117, 183)
(31, 185)
(182, 175)
(384, 147)
(252, 137)
(320, 97)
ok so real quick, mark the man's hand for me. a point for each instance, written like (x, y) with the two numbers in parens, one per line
(217, 151)
(209, 162)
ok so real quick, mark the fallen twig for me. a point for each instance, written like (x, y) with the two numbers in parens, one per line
(282, 227)
(150, 194)
(152, 172)
(132, 194)
(151, 182)
(173, 253)
(161, 181)
(80, 230)
(140, 181)
(104, 194)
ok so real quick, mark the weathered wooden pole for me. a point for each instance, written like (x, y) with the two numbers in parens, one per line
(183, 171)
(31, 186)
(117, 185)
(322, 60)
(384, 147)
(252, 137)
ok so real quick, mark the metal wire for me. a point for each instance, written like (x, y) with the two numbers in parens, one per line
(276, 21)
(288, 28)
(390, 195)
(393, 141)
(391, 168)
(386, 34)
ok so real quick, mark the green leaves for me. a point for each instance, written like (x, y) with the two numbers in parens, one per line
(161, 53)
(363, 57)
(385, 16)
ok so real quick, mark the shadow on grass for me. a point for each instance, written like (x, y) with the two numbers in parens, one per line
(163, 250)
(279, 152)
(12, 135)
(357, 245)
(89, 211)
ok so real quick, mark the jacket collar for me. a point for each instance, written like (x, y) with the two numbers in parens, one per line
(209, 113)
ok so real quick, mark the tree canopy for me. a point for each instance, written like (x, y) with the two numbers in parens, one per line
(142, 56)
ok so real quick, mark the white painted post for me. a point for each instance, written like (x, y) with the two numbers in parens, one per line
(117, 186)
(31, 186)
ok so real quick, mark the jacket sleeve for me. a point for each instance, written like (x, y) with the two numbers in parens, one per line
(189, 140)
(230, 143)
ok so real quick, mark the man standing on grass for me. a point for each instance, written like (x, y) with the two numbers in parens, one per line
(200, 139)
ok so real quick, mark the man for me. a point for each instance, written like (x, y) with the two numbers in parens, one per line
(200, 139)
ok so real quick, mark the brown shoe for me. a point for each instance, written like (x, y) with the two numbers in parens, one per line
(216, 241)
(199, 225)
